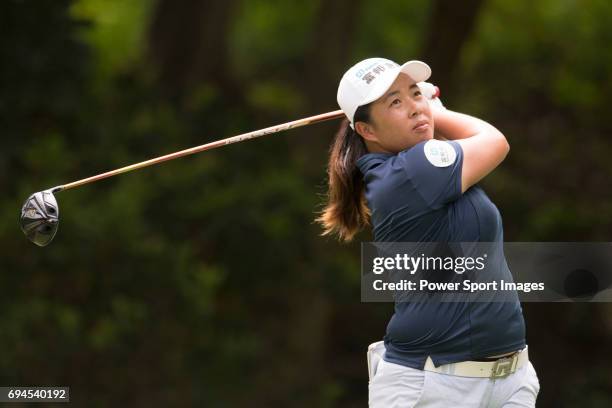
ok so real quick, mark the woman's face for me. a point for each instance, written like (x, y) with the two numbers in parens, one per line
(399, 119)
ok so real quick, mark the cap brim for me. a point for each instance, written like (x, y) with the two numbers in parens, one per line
(417, 70)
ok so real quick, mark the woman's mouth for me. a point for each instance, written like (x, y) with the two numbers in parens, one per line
(421, 126)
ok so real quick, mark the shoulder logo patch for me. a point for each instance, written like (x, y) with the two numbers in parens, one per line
(439, 153)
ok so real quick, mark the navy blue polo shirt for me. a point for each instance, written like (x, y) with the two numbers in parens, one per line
(415, 196)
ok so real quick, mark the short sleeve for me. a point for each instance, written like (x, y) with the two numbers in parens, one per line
(434, 169)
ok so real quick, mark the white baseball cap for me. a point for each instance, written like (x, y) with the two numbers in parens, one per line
(369, 79)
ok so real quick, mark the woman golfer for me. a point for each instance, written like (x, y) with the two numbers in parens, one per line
(409, 168)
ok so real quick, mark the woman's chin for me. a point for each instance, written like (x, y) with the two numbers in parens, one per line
(427, 136)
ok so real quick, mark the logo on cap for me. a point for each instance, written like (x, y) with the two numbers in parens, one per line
(369, 73)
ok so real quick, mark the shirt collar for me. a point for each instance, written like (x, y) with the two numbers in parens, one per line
(370, 160)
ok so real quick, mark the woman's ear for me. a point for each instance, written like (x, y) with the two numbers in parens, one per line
(366, 131)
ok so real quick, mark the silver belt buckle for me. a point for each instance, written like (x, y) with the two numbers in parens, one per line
(504, 366)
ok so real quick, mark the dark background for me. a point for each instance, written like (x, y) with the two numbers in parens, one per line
(204, 281)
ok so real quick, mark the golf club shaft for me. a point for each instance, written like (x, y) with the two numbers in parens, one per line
(208, 146)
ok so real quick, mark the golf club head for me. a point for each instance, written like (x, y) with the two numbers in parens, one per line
(40, 217)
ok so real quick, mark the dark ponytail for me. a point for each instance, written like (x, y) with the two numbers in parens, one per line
(346, 211)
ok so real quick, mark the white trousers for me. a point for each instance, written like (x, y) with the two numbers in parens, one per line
(394, 386)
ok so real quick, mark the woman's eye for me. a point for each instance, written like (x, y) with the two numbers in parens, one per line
(396, 102)
(418, 93)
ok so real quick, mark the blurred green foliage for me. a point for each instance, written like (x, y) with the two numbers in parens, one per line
(203, 281)
(116, 32)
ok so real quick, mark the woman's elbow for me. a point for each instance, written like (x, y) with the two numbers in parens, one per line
(502, 144)
(505, 146)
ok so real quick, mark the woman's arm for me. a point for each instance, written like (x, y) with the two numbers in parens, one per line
(484, 147)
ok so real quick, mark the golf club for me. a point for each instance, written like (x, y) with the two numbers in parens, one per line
(40, 212)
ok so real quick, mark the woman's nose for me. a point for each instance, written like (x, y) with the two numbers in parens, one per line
(413, 109)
